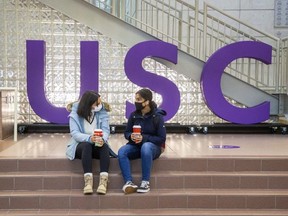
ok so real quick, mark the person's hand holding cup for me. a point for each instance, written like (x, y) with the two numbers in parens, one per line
(98, 134)
(136, 135)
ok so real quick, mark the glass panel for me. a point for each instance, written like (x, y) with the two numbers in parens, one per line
(31, 20)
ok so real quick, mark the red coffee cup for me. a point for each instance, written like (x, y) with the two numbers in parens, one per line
(137, 129)
(98, 132)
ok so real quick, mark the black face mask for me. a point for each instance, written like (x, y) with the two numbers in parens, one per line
(139, 106)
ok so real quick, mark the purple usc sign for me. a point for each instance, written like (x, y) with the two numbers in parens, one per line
(211, 82)
(89, 78)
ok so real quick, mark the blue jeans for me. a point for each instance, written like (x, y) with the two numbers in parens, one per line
(147, 152)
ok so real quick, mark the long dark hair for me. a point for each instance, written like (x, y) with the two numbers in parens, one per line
(147, 95)
(85, 104)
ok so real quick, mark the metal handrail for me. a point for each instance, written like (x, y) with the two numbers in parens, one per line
(150, 15)
(261, 83)
(15, 101)
(284, 61)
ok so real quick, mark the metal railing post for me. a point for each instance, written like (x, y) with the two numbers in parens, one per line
(204, 31)
(196, 45)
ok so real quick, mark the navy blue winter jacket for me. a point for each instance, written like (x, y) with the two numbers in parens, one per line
(152, 126)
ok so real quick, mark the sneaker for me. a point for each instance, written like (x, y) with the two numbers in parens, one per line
(144, 187)
(129, 187)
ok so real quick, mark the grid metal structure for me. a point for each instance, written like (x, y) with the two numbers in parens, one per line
(201, 32)
(23, 20)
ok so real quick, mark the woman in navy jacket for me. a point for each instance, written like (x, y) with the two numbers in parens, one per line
(147, 146)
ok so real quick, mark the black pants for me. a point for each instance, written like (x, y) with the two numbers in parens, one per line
(87, 151)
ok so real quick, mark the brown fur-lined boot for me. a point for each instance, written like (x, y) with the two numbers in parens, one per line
(103, 182)
(88, 188)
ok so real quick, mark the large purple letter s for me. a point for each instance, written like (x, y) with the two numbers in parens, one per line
(136, 74)
(36, 78)
(211, 82)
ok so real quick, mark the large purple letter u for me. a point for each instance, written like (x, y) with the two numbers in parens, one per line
(36, 78)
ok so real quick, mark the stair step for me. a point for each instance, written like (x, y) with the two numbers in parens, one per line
(45, 180)
(147, 212)
(155, 199)
(163, 164)
(152, 192)
(158, 173)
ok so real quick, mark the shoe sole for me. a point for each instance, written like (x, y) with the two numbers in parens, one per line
(130, 190)
(142, 190)
(86, 192)
(101, 192)
(102, 189)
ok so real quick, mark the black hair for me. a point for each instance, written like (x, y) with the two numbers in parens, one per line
(85, 104)
(146, 94)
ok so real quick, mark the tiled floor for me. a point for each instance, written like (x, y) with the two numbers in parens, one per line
(177, 145)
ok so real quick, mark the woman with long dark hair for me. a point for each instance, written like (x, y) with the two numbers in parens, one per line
(87, 115)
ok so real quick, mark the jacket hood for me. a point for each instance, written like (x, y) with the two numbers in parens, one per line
(73, 109)
(70, 105)
(74, 105)
(160, 111)
(155, 111)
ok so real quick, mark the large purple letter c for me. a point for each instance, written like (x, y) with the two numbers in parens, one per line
(211, 82)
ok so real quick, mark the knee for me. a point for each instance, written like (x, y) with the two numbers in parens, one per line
(87, 146)
(121, 152)
(146, 149)
(105, 148)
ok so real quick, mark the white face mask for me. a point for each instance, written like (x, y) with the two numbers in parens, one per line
(98, 108)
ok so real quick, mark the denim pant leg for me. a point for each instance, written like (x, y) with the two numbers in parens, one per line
(125, 154)
(149, 152)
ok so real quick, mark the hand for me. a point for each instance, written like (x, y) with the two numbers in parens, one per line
(136, 137)
(97, 140)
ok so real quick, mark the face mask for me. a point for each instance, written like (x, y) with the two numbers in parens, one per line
(98, 108)
(139, 106)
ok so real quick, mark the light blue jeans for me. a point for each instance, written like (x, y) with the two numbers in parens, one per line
(147, 152)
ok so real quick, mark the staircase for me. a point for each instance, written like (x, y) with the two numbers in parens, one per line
(179, 186)
(188, 65)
